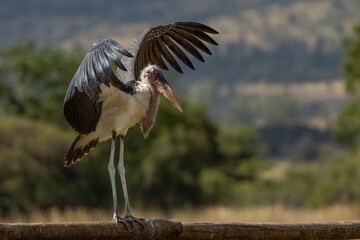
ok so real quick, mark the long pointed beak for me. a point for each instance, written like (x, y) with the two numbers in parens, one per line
(163, 87)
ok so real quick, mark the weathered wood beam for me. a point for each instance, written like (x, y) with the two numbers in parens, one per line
(269, 231)
(173, 229)
(155, 229)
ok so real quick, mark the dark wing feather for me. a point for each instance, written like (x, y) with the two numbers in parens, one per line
(198, 26)
(82, 113)
(167, 55)
(157, 58)
(81, 109)
(178, 52)
(178, 36)
(199, 34)
(156, 44)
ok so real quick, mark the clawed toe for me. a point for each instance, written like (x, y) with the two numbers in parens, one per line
(128, 219)
(138, 220)
(118, 220)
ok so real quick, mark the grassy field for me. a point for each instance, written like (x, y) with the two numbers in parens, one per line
(210, 214)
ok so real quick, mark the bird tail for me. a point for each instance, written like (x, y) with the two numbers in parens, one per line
(80, 147)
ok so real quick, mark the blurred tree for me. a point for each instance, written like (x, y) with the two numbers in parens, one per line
(33, 80)
(298, 185)
(347, 126)
(338, 183)
(239, 149)
(32, 174)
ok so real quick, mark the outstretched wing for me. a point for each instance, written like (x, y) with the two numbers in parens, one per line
(81, 109)
(155, 45)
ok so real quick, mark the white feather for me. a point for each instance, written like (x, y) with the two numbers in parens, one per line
(120, 111)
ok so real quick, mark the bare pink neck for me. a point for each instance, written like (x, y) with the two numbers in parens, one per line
(148, 121)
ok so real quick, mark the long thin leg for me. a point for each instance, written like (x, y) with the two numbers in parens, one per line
(111, 169)
(128, 216)
(121, 169)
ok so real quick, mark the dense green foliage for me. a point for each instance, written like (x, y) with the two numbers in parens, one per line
(32, 173)
(33, 80)
(347, 127)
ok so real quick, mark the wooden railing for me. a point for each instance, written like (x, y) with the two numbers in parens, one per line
(173, 229)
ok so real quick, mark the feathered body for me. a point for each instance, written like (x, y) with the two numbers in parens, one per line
(100, 104)
(119, 112)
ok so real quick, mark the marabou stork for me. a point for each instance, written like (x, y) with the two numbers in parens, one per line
(101, 105)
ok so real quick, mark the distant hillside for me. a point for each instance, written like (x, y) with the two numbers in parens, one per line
(260, 40)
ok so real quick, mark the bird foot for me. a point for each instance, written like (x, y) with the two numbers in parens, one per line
(129, 220)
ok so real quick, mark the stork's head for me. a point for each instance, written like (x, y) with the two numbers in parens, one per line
(155, 78)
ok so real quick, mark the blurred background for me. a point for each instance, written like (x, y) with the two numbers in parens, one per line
(271, 122)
